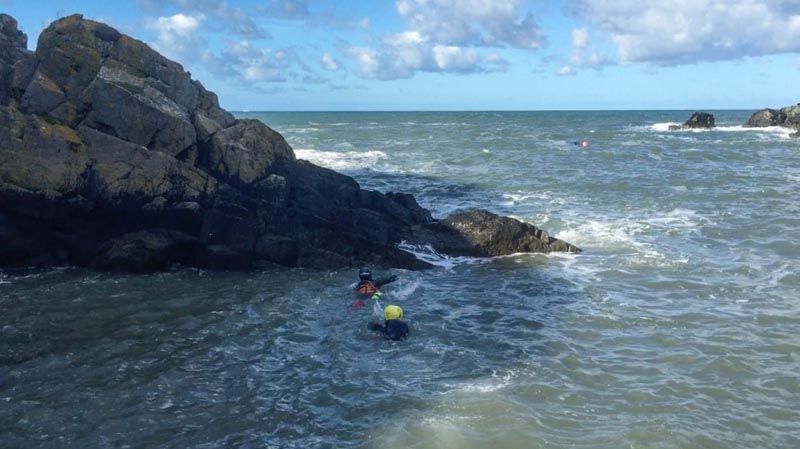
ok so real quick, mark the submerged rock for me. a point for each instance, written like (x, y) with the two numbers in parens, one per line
(702, 120)
(111, 156)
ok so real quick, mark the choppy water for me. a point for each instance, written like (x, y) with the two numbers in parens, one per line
(677, 327)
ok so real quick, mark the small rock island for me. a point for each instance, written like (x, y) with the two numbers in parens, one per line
(698, 120)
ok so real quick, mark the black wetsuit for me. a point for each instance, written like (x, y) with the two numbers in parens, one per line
(391, 329)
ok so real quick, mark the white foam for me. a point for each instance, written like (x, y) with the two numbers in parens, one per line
(522, 197)
(307, 130)
(595, 233)
(623, 231)
(492, 384)
(663, 126)
(377, 308)
(426, 253)
(779, 131)
(632, 241)
(679, 218)
(337, 160)
(403, 290)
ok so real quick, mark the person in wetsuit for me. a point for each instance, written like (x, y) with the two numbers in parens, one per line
(367, 286)
(394, 328)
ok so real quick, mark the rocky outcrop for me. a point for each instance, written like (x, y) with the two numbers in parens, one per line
(13, 47)
(702, 120)
(766, 117)
(788, 117)
(479, 233)
(111, 156)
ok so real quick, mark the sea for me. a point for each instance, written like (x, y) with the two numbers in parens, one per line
(677, 327)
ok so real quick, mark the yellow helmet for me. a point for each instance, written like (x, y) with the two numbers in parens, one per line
(393, 313)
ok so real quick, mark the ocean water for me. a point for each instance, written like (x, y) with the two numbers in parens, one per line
(678, 327)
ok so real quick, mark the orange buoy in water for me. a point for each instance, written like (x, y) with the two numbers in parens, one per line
(585, 144)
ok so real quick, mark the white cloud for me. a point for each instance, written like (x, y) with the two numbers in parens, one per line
(688, 31)
(178, 37)
(235, 19)
(566, 71)
(472, 22)
(257, 65)
(367, 60)
(455, 59)
(584, 53)
(406, 38)
(285, 9)
(328, 62)
(580, 38)
(446, 36)
(179, 25)
(181, 37)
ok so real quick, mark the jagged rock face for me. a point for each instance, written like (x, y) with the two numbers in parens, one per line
(111, 156)
(13, 47)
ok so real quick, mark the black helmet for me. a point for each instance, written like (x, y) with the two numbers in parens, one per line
(365, 274)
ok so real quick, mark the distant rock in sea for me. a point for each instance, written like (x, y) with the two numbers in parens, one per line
(112, 157)
(697, 120)
(788, 117)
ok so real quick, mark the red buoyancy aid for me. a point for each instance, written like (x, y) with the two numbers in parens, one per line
(366, 288)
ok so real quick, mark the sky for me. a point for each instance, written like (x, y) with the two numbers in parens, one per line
(342, 55)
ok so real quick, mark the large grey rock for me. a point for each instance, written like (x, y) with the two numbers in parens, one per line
(147, 250)
(13, 48)
(480, 233)
(788, 117)
(42, 95)
(702, 120)
(792, 114)
(121, 168)
(37, 156)
(247, 151)
(127, 107)
(766, 117)
(111, 156)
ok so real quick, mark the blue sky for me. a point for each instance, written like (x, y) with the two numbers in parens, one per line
(464, 54)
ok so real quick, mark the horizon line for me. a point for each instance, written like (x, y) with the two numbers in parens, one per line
(492, 110)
